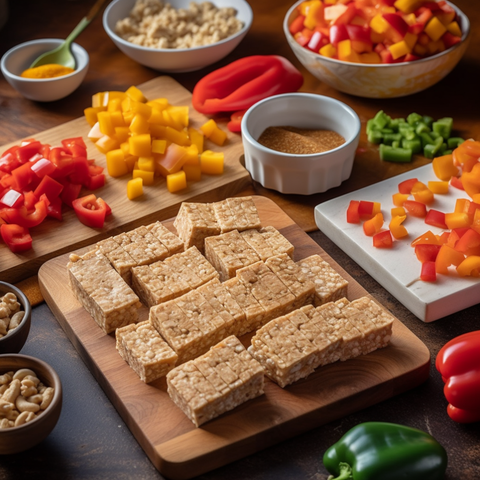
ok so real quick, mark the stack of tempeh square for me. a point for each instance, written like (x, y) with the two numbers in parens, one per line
(197, 221)
(218, 381)
(292, 346)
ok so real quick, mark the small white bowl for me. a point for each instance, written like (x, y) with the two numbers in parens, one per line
(300, 174)
(176, 60)
(19, 58)
(379, 80)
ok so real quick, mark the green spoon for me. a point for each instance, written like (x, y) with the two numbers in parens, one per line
(62, 54)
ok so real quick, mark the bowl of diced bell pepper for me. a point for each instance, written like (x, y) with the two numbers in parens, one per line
(378, 48)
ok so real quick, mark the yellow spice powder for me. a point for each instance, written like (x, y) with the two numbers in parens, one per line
(50, 70)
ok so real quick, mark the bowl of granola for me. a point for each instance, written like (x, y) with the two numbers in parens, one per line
(15, 318)
(178, 36)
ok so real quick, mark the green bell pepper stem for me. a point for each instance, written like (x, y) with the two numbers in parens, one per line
(345, 472)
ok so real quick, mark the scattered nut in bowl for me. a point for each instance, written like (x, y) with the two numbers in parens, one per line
(316, 117)
(189, 30)
(19, 58)
(384, 80)
(15, 318)
(31, 402)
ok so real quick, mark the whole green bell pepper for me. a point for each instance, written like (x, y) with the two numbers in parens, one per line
(385, 451)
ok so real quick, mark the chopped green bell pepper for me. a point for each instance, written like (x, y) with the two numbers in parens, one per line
(385, 451)
(443, 126)
(395, 154)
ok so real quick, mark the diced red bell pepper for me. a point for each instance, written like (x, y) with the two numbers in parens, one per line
(297, 25)
(383, 239)
(338, 33)
(50, 187)
(70, 192)
(95, 181)
(70, 142)
(457, 183)
(12, 199)
(426, 252)
(435, 218)
(317, 41)
(90, 210)
(43, 167)
(54, 210)
(398, 27)
(29, 200)
(23, 176)
(80, 171)
(347, 16)
(406, 186)
(368, 209)
(353, 215)
(21, 216)
(63, 160)
(8, 162)
(360, 38)
(17, 238)
(415, 208)
(450, 40)
(26, 152)
(235, 123)
(428, 272)
(469, 243)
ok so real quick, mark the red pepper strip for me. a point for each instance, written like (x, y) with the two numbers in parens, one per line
(242, 83)
(17, 238)
(90, 210)
(235, 123)
(21, 217)
(459, 364)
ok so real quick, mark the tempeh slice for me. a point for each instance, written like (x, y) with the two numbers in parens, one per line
(102, 291)
(278, 242)
(169, 239)
(147, 353)
(329, 285)
(244, 213)
(119, 258)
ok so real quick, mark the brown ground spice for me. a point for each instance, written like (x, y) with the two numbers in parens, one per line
(300, 141)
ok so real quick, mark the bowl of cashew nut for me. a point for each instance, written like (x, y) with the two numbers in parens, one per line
(30, 402)
(15, 318)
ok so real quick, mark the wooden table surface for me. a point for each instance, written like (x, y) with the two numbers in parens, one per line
(90, 440)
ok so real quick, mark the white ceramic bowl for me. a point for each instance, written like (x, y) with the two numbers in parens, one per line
(382, 80)
(300, 174)
(176, 60)
(19, 58)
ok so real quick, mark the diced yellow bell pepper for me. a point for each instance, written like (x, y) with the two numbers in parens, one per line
(407, 6)
(113, 95)
(122, 134)
(134, 188)
(159, 146)
(424, 196)
(457, 220)
(147, 177)
(399, 199)
(130, 161)
(410, 39)
(191, 156)
(128, 117)
(116, 165)
(313, 12)
(396, 228)
(209, 127)
(139, 125)
(370, 58)
(397, 211)
(470, 267)
(410, 19)
(156, 116)
(114, 105)
(346, 52)
(117, 119)
(193, 173)
(218, 137)
(212, 162)
(160, 103)
(136, 94)
(443, 167)
(438, 187)
(378, 24)
(435, 47)
(99, 100)
(435, 29)
(176, 181)
(146, 164)
(169, 121)
(125, 146)
(105, 124)
(106, 143)
(169, 133)
(304, 6)
(196, 138)
(179, 114)
(454, 29)
(91, 114)
(399, 49)
(328, 50)
(140, 145)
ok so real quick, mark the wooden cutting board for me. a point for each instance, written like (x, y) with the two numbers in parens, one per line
(178, 449)
(53, 238)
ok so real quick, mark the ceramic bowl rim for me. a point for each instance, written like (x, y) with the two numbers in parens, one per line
(317, 56)
(141, 48)
(57, 395)
(318, 98)
(27, 308)
(85, 61)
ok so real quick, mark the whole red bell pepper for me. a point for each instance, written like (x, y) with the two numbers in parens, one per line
(244, 82)
(459, 364)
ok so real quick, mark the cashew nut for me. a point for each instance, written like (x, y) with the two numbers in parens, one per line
(2, 389)
(28, 391)
(47, 398)
(30, 380)
(3, 326)
(23, 418)
(12, 392)
(23, 405)
(38, 398)
(12, 415)
(22, 373)
(4, 423)
(5, 406)
(16, 319)
(5, 378)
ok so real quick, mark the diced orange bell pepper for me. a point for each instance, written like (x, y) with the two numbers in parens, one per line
(399, 199)
(424, 196)
(176, 181)
(397, 211)
(469, 243)
(134, 188)
(435, 29)
(396, 227)
(471, 180)
(457, 220)
(374, 225)
(438, 187)
(470, 267)
(444, 168)
(427, 238)
(447, 256)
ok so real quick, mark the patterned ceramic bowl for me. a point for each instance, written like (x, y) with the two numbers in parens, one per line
(382, 80)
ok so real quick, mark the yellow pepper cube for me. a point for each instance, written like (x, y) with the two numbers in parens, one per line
(196, 138)
(457, 220)
(130, 161)
(378, 24)
(180, 138)
(139, 124)
(407, 6)
(370, 58)
(399, 199)
(218, 137)
(443, 167)
(156, 116)
(122, 134)
(313, 12)
(346, 52)
(136, 94)
(209, 127)
(117, 119)
(398, 212)
(116, 165)
(140, 145)
(191, 156)
(212, 162)
(160, 103)
(128, 117)
(454, 29)
(134, 188)
(105, 123)
(328, 51)
(176, 181)
(113, 95)
(159, 146)
(91, 114)
(438, 187)
(410, 39)
(146, 164)
(179, 114)
(125, 146)
(147, 177)
(106, 143)
(399, 49)
(114, 105)
(170, 121)
(193, 172)
(435, 29)
(99, 100)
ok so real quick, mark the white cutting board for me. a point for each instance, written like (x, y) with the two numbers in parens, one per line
(398, 269)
